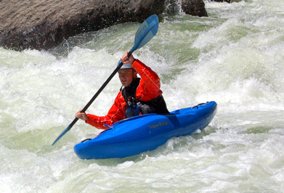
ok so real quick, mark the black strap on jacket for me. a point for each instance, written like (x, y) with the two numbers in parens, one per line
(130, 91)
(156, 105)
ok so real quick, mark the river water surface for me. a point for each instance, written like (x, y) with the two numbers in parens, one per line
(235, 57)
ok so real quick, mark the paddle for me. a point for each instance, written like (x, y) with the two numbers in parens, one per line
(144, 34)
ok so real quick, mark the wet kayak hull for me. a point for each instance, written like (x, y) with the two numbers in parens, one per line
(144, 133)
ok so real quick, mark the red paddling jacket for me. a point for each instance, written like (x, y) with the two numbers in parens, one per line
(147, 91)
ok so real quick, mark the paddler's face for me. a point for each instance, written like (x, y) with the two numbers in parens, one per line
(126, 76)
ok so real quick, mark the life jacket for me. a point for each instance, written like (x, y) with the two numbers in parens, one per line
(136, 107)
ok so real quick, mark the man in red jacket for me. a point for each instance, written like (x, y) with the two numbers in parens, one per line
(137, 95)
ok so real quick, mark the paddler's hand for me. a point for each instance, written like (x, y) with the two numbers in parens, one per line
(81, 115)
(127, 60)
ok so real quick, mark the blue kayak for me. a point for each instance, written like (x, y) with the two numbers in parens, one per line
(147, 132)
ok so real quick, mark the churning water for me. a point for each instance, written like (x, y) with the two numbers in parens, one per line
(235, 57)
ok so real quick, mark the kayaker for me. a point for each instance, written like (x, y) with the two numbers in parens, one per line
(136, 96)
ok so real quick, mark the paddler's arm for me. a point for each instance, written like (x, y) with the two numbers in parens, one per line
(115, 114)
(143, 70)
(150, 81)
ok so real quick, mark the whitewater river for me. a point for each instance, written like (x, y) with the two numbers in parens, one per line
(235, 57)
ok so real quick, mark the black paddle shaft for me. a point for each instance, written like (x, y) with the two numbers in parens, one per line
(104, 85)
(95, 96)
(99, 91)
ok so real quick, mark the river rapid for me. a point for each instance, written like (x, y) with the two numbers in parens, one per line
(235, 57)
